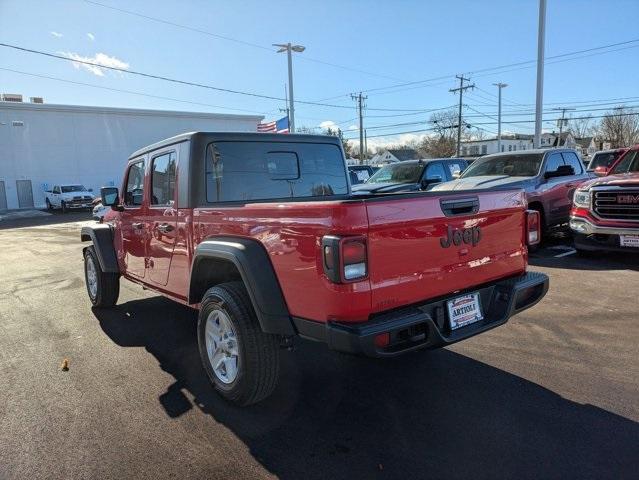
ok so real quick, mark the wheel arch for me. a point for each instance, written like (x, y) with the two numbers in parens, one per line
(101, 235)
(224, 259)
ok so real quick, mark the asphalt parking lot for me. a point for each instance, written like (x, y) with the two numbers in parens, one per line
(552, 394)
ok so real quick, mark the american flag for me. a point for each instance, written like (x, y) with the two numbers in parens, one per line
(276, 126)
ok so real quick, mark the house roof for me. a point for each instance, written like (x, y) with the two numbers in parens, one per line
(402, 154)
(584, 142)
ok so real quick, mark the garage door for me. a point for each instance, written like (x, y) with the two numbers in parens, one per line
(25, 193)
(3, 196)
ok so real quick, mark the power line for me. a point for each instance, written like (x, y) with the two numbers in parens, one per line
(185, 82)
(494, 123)
(231, 39)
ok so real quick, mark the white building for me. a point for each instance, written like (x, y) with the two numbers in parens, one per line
(509, 143)
(394, 155)
(42, 145)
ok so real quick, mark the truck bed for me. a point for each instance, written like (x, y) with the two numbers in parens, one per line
(406, 260)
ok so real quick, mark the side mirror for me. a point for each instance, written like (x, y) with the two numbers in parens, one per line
(562, 171)
(427, 182)
(601, 171)
(110, 197)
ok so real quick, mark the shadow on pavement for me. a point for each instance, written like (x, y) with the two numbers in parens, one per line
(56, 217)
(430, 414)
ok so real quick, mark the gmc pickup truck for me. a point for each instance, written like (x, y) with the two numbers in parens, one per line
(262, 235)
(68, 196)
(605, 213)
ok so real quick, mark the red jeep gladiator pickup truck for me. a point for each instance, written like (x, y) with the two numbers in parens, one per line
(261, 234)
(605, 213)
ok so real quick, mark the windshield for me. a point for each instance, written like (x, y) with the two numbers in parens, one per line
(509, 165)
(629, 163)
(398, 173)
(73, 188)
(603, 160)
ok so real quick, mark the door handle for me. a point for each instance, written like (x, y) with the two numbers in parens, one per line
(137, 226)
(165, 228)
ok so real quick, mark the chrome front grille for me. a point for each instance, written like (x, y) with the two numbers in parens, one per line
(617, 204)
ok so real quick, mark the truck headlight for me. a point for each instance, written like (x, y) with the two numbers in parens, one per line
(582, 199)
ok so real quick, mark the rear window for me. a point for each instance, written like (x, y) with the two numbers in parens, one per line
(629, 163)
(399, 173)
(244, 171)
(603, 160)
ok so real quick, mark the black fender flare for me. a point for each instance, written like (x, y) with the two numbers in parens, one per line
(102, 237)
(256, 270)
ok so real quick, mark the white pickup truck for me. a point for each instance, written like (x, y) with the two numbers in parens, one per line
(68, 197)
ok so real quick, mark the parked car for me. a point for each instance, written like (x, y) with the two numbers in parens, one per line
(605, 213)
(548, 176)
(68, 196)
(603, 161)
(360, 173)
(412, 175)
(261, 234)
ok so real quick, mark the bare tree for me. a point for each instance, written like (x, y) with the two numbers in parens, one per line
(620, 127)
(580, 127)
(442, 143)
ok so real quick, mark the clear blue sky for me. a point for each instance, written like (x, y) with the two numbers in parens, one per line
(395, 41)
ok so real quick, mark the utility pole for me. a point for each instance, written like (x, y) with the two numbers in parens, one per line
(289, 49)
(541, 43)
(499, 86)
(460, 89)
(365, 143)
(562, 121)
(288, 116)
(359, 98)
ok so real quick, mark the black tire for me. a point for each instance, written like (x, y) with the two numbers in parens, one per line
(49, 206)
(258, 352)
(63, 207)
(108, 284)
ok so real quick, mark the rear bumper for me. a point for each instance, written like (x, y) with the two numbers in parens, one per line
(426, 325)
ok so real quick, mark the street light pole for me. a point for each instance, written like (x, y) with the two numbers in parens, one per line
(499, 86)
(561, 122)
(541, 43)
(289, 49)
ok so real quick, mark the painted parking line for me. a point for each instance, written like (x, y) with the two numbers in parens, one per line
(565, 249)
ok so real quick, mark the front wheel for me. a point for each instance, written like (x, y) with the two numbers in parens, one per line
(103, 288)
(63, 206)
(49, 206)
(240, 359)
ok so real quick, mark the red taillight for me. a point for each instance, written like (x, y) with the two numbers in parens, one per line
(354, 258)
(382, 340)
(344, 258)
(533, 227)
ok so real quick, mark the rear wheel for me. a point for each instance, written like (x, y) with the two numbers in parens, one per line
(103, 288)
(240, 359)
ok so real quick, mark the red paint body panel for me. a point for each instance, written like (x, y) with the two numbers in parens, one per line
(408, 264)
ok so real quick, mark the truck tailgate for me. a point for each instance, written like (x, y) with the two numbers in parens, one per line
(412, 250)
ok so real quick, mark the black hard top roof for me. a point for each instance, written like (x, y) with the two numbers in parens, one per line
(238, 137)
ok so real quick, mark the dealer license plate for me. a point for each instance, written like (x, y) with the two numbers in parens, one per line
(464, 310)
(629, 241)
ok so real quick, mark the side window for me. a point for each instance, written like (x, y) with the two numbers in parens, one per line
(56, 189)
(573, 160)
(554, 162)
(243, 171)
(629, 163)
(456, 168)
(134, 193)
(163, 180)
(434, 170)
